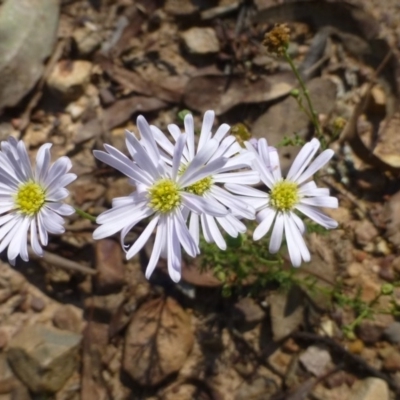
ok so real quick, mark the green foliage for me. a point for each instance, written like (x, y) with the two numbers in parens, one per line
(295, 140)
(244, 262)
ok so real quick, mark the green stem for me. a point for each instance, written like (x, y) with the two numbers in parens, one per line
(85, 215)
(306, 94)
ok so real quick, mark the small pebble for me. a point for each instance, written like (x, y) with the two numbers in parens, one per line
(37, 304)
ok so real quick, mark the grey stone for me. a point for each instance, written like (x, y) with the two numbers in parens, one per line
(392, 332)
(44, 358)
(370, 389)
(315, 360)
(287, 313)
(201, 40)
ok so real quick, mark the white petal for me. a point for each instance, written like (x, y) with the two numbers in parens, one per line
(246, 190)
(194, 227)
(302, 159)
(174, 131)
(147, 138)
(221, 132)
(205, 229)
(42, 161)
(130, 171)
(52, 222)
(174, 252)
(292, 243)
(202, 205)
(19, 234)
(277, 234)
(317, 216)
(24, 160)
(184, 236)
(241, 178)
(177, 158)
(232, 229)
(298, 221)
(243, 160)
(206, 127)
(34, 239)
(189, 129)
(155, 254)
(265, 225)
(43, 236)
(234, 203)
(316, 165)
(215, 232)
(275, 166)
(113, 226)
(143, 238)
(321, 201)
(210, 169)
(59, 168)
(224, 147)
(162, 140)
(199, 160)
(57, 194)
(61, 208)
(143, 158)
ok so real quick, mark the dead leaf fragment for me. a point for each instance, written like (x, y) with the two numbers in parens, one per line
(388, 146)
(157, 342)
(221, 93)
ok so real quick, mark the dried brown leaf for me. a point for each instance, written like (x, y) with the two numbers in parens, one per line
(221, 93)
(157, 342)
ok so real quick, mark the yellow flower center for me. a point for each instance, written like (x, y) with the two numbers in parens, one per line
(200, 187)
(164, 196)
(30, 198)
(284, 196)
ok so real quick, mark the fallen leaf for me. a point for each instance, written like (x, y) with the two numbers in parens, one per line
(388, 146)
(27, 34)
(157, 342)
(117, 114)
(221, 93)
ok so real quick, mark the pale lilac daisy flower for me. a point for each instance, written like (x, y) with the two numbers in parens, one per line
(209, 187)
(31, 198)
(288, 195)
(160, 194)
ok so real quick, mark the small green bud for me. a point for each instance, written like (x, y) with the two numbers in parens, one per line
(387, 289)
(182, 114)
(349, 333)
(221, 275)
(295, 93)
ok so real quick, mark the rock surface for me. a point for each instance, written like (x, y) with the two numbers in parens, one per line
(370, 389)
(315, 360)
(201, 40)
(286, 313)
(69, 78)
(44, 358)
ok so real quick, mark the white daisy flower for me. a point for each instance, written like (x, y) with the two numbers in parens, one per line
(287, 195)
(161, 194)
(208, 187)
(31, 198)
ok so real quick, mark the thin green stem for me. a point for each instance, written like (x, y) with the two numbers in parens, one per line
(85, 215)
(312, 114)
